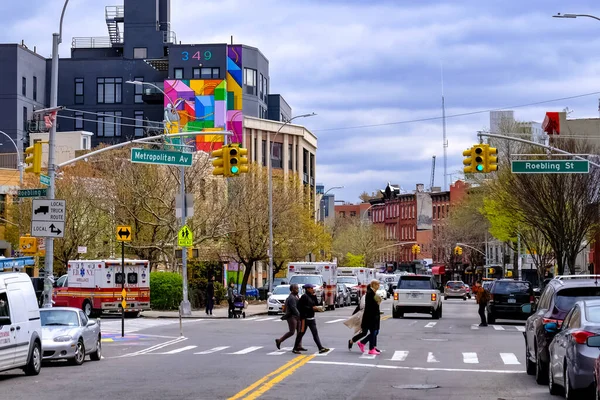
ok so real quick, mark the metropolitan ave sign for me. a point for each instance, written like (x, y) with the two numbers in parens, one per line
(161, 157)
(550, 167)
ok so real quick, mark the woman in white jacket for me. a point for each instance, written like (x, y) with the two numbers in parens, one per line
(355, 322)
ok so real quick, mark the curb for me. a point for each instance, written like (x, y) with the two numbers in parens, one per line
(199, 317)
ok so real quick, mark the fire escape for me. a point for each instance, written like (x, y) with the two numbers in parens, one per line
(115, 15)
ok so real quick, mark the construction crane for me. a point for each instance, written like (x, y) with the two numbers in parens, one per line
(431, 182)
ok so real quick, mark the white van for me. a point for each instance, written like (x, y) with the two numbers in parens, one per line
(20, 325)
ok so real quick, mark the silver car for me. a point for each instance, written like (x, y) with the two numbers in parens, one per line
(572, 360)
(67, 333)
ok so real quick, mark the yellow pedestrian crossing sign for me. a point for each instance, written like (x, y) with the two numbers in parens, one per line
(185, 238)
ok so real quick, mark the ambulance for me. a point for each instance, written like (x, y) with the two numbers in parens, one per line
(364, 276)
(95, 286)
(321, 274)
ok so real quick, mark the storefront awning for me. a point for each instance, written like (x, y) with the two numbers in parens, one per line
(440, 270)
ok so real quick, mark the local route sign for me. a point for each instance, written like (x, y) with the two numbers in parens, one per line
(161, 157)
(550, 167)
(45, 180)
(31, 193)
(123, 233)
(48, 218)
(185, 238)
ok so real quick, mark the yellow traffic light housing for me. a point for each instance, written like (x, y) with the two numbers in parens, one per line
(468, 162)
(33, 159)
(491, 161)
(458, 250)
(243, 160)
(233, 160)
(220, 162)
(479, 154)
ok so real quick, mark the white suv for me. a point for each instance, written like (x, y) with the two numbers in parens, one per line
(417, 294)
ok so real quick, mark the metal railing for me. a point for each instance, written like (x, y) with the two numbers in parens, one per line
(150, 90)
(113, 12)
(8, 160)
(169, 37)
(91, 42)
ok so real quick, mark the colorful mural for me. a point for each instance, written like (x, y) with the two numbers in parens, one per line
(209, 105)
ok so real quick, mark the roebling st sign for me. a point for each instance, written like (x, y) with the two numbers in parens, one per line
(550, 167)
(161, 157)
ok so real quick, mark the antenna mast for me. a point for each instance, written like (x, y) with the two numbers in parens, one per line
(444, 133)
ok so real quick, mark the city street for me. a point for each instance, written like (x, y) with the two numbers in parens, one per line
(237, 358)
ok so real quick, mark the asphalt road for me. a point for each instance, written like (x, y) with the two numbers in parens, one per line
(222, 358)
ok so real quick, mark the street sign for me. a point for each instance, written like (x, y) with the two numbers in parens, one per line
(31, 193)
(124, 304)
(81, 249)
(123, 233)
(45, 180)
(28, 245)
(124, 294)
(48, 218)
(550, 167)
(161, 157)
(185, 238)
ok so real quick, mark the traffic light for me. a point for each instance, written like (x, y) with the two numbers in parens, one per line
(219, 162)
(233, 160)
(479, 154)
(416, 249)
(33, 159)
(468, 162)
(243, 161)
(491, 161)
(458, 250)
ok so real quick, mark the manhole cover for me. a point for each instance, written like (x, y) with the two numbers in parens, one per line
(416, 387)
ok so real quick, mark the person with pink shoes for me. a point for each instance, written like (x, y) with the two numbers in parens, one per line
(370, 320)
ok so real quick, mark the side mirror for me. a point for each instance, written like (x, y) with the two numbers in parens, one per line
(593, 341)
(269, 294)
(551, 327)
(5, 320)
(55, 284)
(91, 322)
(526, 308)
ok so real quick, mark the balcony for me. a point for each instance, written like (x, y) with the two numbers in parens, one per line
(152, 95)
(91, 42)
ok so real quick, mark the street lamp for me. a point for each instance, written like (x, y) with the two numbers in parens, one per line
(559, 15)
(322, 202)
(271, 196)
(19, 159)
(185, 306)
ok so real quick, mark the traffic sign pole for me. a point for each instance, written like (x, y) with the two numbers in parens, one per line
(124, 302)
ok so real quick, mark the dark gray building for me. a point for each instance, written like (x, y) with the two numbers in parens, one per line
(93, 86)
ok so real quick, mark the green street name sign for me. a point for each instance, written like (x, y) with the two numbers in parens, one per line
(161, 157)
(550, 167)
(31, 193)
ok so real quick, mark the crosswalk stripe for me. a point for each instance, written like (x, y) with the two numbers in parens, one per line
(335, 320)
(520, 328)
(180, 350)
(399, 356)
(430, 325)
(431, 358)
(498, 327)
(249, 319)
(368, 356)
(213, 350)
(324, 354)
(280, 352)
(265, 319)
(509, 359)
(247, 350)
(474, 327)
(470, 358)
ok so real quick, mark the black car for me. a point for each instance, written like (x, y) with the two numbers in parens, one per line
(556, 301)
(507, 297)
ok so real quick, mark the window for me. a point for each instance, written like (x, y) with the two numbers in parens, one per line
(195, 73)
(140, 52)
(255, 150)
(24, 86)
(266, 90)
(109, 124)
(276, 161)
(261, 91)
(4, 309)
(25, 119)
(79, 91)
(290, 153)
(566, 298)
(84, 143)
(78, 120)
(353, 213)
(250, 80)
(84, 318)
(178, 73)
(35, 88)
(139, 123)
(209, 73)
(414, 282)
(109, 90)
(139, 90)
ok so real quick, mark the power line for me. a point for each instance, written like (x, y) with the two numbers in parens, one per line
(456, 115)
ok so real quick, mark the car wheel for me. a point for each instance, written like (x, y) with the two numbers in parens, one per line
(465, 298)
(596, 390)
(445, 297)
(570, 393)
(396, 313)
(87, 308)
(435, 314)
(440, 311)
(35, 361)
(552, 387)
(79, 353)
(529, 365)
(541, 369)
(132, 314)
(97, 355)
(491, 318)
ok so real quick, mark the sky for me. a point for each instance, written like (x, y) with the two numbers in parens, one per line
(368, 68)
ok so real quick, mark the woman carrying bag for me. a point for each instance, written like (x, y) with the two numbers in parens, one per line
(370, 320)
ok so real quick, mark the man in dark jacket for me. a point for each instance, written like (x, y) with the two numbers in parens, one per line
(292, 316)
(210, 295)
(482, 297)
(307, 305)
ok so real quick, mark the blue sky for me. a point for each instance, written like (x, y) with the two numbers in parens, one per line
(360, 63)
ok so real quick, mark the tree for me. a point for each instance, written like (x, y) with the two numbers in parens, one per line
(357, 237)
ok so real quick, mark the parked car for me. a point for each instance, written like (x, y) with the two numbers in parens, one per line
(456, 289)
(251, 291)
(468, 289)
(343, 295)
(556, 301)
(506, 298)
(67, 333)
(417, 294)
(277, 299)
(572, 359)
(264, 290)
(351, 283)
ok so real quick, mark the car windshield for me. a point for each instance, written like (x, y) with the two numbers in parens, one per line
(351, 280)
(414, 282)
(281, 290)
(59, 318)
(512, 288)
(304, 279)
(566, 298)
(455, 285)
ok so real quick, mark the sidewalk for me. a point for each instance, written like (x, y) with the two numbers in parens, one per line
(221, 312)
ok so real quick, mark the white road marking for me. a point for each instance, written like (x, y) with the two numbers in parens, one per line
(249, 319)
(399, 356)
(247, 350)
(335, 320)
(324, 354)
(431, 358)
(474, 327)
(430, 325)
(265, 319)
(470, 358)
(461, 370)
(520, 328)
(412, 323)
(509, 359)
(155, 347)
(368, 356)
(280, 352)
(213, 350)
(498, 327)
(179, 350)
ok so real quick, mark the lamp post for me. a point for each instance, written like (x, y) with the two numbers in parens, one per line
(573, 16)
(19, 157)
(322, 202)
(185, 306)
(49, 261)
(271, 196)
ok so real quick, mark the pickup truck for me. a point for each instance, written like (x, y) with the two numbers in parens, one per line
(417, 294)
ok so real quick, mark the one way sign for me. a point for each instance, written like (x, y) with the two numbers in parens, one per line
(123, 233)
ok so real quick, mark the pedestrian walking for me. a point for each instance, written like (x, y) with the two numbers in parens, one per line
(230, 298)
(307, 305)
(370, 321)
(292, 316)
(210, 295)
(355, 322)
(482, 297)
